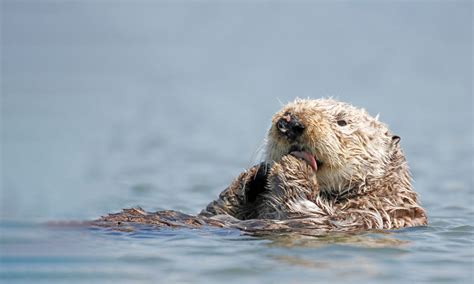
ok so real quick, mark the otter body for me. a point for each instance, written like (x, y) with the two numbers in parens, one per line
(328, 166)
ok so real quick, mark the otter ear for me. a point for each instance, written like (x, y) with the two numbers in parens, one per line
(396, 139)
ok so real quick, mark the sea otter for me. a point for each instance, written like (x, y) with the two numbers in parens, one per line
(328, 166)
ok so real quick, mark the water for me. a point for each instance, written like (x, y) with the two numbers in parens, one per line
(107, 105)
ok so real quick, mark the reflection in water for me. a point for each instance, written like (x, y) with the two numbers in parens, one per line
(334, 253)
(341, 269)
(380, 239)
(109, 105)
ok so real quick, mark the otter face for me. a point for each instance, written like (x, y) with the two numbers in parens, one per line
(344, 144)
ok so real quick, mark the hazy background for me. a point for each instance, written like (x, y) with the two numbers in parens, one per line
(112, 104)
(107, 104)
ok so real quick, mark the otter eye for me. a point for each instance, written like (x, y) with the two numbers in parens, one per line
(341, 122)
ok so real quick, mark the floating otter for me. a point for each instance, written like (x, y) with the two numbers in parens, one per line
(328, 166)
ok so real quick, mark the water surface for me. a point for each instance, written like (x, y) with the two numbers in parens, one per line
(107, 105)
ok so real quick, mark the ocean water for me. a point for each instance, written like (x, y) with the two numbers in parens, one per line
(160, 104)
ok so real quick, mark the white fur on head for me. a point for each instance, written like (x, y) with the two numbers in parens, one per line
(350, 153)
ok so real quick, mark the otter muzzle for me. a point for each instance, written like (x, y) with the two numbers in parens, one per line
(290, 127)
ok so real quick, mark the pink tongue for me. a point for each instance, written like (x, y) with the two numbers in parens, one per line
(307, 157)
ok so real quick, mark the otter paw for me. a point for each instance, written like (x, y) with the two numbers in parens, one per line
(256, 184)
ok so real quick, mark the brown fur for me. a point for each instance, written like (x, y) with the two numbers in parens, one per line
(363, 181)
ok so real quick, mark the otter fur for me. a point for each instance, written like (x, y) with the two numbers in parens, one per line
(328, 166)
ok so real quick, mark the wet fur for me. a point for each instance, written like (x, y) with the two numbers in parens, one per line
(363, 183)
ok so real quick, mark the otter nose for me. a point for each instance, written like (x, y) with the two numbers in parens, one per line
(290, 126)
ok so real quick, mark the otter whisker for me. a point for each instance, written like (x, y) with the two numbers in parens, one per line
(358, 162)
(362, 181)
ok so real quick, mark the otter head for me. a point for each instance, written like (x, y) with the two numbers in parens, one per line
(343, 144)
